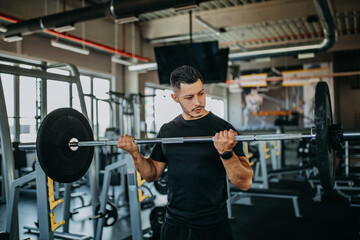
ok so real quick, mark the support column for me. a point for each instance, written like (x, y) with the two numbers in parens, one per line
(117, 85)
(131, 82)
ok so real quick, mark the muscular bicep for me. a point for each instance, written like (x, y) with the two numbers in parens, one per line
(159, 166)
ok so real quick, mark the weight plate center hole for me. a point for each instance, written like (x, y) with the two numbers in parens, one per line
(73, 141)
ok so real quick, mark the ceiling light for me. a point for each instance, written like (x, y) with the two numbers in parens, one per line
(127, 20)
(72, 48)
(261, 60)
(3, 29)
(305, 55)
(13, 38)
(121, 61)
(66, 28)
(207, 25)
(177, 38)
(253, 80)
(142, 67)
(185, 8)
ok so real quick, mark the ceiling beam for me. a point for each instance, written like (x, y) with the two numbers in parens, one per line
(346, 42)
(229, 17)
(346, 6)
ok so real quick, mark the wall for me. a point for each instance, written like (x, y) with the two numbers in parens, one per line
(347, 91)
(235, 108)
(37, 46)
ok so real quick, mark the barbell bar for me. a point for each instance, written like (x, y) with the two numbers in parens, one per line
(252, 137)
(65, 144)
(74, 143)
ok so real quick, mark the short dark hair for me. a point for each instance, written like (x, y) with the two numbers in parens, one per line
(184, 74)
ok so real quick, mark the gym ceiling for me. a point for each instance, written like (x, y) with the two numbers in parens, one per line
(243, 26)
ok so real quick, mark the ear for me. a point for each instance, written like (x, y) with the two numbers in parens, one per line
(174, 97)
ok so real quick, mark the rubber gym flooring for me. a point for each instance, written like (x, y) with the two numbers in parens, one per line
(268, 218)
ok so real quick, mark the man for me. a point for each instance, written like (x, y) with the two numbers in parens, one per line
(196, 171)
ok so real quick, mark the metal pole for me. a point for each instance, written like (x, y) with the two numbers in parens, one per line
(16, 108)
(66, 207)
(347, 159)
(263, 165)
(42, 204)
(121, 116)
(351, 135)
(70, 95)
(135, 217)
(228, 202)
(43, 98)
(43, 94)
(8, 166)
(136, 106)
(97, 118)
(92, 103)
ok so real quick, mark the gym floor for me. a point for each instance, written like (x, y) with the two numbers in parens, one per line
(268, 218)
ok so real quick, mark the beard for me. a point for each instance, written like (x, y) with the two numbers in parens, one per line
(193, 113)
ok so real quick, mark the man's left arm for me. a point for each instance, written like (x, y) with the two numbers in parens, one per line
(237, 168)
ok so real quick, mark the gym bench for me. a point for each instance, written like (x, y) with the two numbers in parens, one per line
(270, 193)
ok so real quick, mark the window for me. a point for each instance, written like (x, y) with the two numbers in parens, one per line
(216, 106)
(161, 108)
(57, 92)
(96, 90)
(58, 96)
(86, 87)
(101, 87)
(27, 109)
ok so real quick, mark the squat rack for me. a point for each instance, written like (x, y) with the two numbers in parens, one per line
(12, 186)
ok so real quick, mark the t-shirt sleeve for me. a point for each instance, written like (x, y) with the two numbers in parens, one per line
(238, 149)
(157, 153)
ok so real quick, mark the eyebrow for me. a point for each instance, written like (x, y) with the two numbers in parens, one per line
(189, 95)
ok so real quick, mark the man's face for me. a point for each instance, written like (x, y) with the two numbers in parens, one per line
(192, 100)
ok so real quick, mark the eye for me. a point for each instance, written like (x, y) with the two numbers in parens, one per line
(188, 98)
(202, 93)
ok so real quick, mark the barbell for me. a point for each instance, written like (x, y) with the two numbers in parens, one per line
(65, 143)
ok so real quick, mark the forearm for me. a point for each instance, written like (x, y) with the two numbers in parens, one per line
(239, 171)
(144, 166)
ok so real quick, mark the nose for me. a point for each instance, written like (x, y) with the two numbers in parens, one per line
(196, 100)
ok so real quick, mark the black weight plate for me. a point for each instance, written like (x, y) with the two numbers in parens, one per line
(157, 217)
(111, 214)
(57, 160)
(4, 236)
(324, 151)
(161, 184)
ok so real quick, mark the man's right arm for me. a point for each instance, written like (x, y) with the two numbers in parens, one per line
(148, 168)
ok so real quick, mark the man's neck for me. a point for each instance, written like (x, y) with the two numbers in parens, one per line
(189, 117)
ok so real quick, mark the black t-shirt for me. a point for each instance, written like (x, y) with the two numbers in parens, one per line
(197, 190)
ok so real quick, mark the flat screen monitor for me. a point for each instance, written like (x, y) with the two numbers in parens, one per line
(206, 57)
